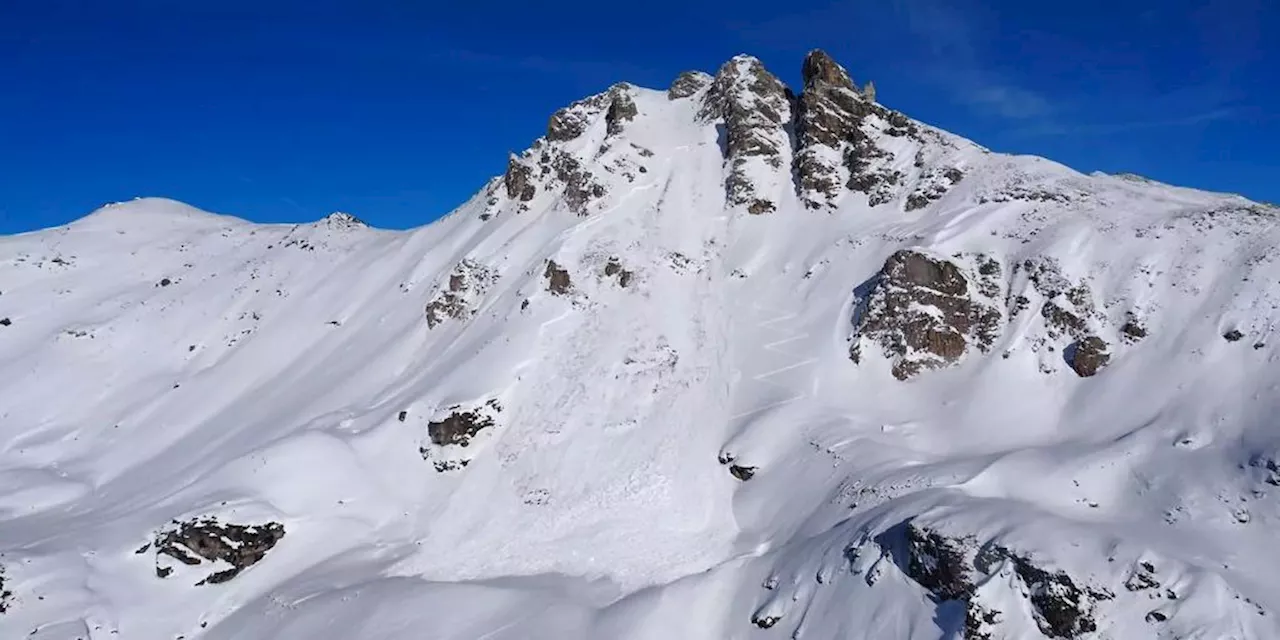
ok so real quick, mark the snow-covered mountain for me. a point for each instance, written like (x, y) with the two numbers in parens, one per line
(722, 361)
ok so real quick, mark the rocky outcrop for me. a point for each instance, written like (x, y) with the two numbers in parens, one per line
(339, 220)
(688, 83)
(1071, 319)
(558, 281)
(1087, 357)
(519, 180)
(455, 430)
(459, 298)
(6, 595)
(952, 568)
(614, 269)
(572, 121)
(820, 68)
(580, 186)
(835, 126)
(924, 314)
(622, 109)
(934, 184)
(202, 540)
(755, 108)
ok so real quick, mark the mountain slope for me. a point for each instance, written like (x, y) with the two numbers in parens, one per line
(718, 361)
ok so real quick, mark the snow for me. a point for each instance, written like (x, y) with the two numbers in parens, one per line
(164, 363)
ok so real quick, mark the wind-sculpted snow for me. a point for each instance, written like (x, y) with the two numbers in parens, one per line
(606, 399)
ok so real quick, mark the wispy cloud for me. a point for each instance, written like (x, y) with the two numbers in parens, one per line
(1111, 128)
(1009, 102)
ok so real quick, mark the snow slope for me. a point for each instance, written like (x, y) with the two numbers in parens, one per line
(615, 395)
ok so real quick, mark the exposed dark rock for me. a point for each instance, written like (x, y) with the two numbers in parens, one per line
(1133, 329)
(1142, 578)
(920, 310)
(4, 322)
(402, 416)
(580, 187)
(1233, 335)
(755, 109)
(765, 621)
(6, 595)
(940, 563)
(467, 284)
(952, 567)
(572, 121)
(819, 67)
(519, 180)
(613, 268)
(1061, 321)
(558, 281)
(758, 207)
(687, 84)
(622, 109)
(1156, 616)
(461, 425)
(742, 473)
(164, 282)
(206, 540)
(1088, 356)
(932, 186)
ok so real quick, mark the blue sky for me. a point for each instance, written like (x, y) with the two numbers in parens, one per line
(279, 110)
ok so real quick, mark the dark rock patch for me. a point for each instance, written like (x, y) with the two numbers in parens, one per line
(580, 187)
(742, 473)
(755, 108)
(572, 121)
(164, 282)
(688, 83)
(1088, 356)
(952, 567)
(206, 540)
(461, 425)
(1133, 330)
(613, 269)
(467, 284)
(765, 621)
(558, 281)
(819, 67)
(6, 594)
(518, 180)
(4, 322)
(1233, 335)
(921, 312)
(622, 109)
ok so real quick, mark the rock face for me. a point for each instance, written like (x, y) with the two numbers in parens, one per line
(756, 110)
(952, 569)
(819, 67)
(687, 84)
(1087, 357)
(460, 296)
(206, 540)
(455, 431)
(834, 126)
(558, 281)
(924, 314)
(519, 180)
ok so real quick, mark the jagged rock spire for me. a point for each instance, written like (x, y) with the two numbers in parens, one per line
(756, 109)
(820, 67)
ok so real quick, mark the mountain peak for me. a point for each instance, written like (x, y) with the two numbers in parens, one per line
(820, 67)
(343, 220)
